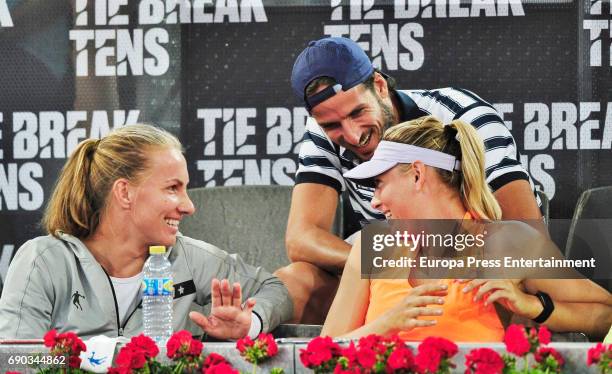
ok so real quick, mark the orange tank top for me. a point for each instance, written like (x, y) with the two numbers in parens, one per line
(463, 320)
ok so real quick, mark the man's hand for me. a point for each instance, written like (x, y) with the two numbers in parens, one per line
(228, 319)
(507, 292)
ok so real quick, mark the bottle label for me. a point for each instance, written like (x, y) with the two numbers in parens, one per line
(157, 287)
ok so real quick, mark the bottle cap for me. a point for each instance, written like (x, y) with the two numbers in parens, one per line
(157, 249)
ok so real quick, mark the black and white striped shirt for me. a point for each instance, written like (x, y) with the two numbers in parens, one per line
(323, 162)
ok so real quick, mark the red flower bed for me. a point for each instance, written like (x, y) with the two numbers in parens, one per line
(371, 354)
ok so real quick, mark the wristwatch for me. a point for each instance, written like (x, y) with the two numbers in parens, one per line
(548, 305)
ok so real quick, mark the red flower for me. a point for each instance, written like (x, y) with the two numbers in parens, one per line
(213, 359)
(600, 354)
(545, 352)
(180, 340)
(434, 352)
(544, 335)
(145, 344)
(181, 344)
(350, 370)
(130, 358)
(120, 370)
(516, 340)
(428, 361)
(74, 362)
(70, 343)
(350, 354)
(594, 354)
(374, 342)
(320, 350)
(78, 347)
(244, 343)
(71, 340)
(50, 338)
(172, 347)
(483, 361)
(446, 348)
(222, 368)
(65, 344)
(366, 357)
(267, 341)
(195, 348)
(259, 350)
(401, 358)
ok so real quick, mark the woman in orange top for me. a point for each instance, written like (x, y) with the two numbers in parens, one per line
(425, 170)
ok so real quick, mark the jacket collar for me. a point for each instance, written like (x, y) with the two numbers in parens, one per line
(81, 251)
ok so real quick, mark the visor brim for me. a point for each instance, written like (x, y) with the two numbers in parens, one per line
(365, 173)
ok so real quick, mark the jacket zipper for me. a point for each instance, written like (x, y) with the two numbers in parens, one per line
(119, 328)
(130, 316)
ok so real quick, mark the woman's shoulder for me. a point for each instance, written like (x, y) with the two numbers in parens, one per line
(46, 246)
(44, 255)
(196, 248)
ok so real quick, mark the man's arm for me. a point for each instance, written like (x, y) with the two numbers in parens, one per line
(309, 236)
(593, 319)
(517, 201)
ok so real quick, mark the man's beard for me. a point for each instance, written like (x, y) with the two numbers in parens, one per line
(387, 121)
(387, 115)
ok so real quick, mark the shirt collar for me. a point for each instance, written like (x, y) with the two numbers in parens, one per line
(407, 108)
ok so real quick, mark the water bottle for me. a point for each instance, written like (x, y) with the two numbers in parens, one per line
(158, 293)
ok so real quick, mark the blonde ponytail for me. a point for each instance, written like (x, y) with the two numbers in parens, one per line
(429, 132)
(475, 192)
(72, 208)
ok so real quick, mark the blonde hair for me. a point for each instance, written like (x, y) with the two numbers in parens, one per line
(87, 177)
(429, 132)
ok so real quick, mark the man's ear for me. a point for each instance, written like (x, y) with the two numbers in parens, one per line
(122, 193)
(380, 85)
(419, 175)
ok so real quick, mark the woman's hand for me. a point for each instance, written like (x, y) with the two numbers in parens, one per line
(506, 292)
(405, 315)
(228, 319)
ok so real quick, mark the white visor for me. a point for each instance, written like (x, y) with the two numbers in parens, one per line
(388, 154)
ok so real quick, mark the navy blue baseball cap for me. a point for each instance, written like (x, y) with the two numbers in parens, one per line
(338, 58)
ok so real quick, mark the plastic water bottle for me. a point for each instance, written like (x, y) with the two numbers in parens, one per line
(158, 293)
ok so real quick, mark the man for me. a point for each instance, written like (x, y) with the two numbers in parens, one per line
(353, 104)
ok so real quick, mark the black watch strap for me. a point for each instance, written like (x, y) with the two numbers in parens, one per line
(548, 305)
